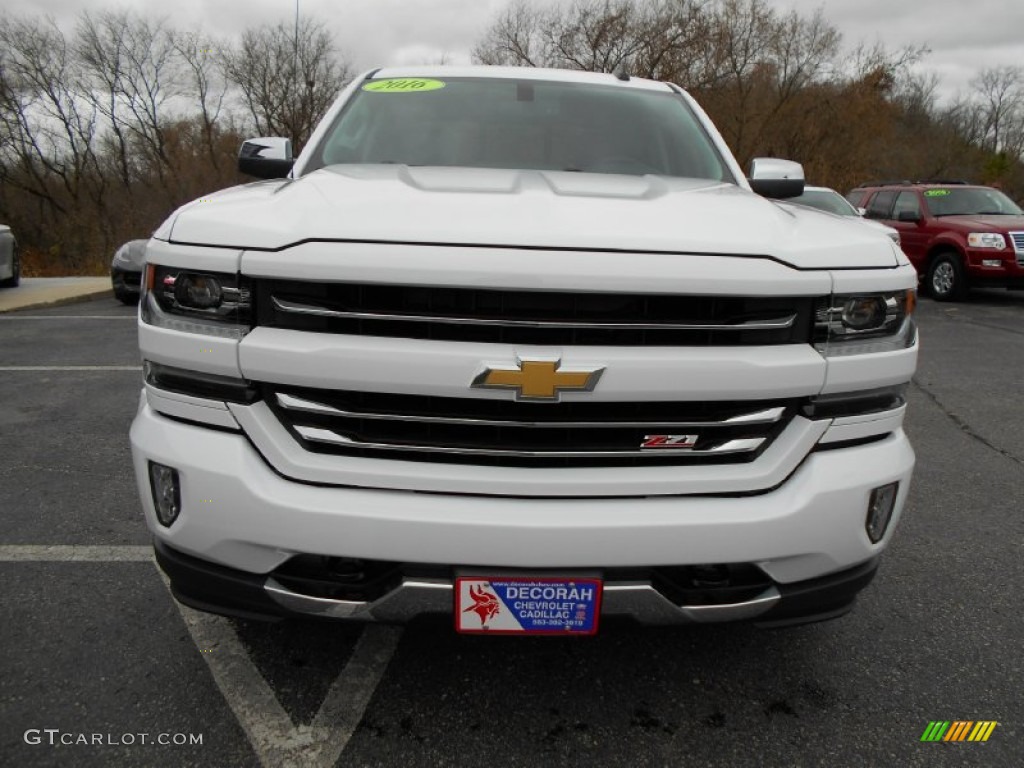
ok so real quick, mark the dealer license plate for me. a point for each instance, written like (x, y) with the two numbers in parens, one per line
(527, 606)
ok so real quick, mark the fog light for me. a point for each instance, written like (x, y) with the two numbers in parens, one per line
(880, 507)
(991, 262)
(166, 493)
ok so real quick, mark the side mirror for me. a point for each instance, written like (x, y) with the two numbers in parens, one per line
(908, 216)
(862, 211)
(268, 157)
(777, 179)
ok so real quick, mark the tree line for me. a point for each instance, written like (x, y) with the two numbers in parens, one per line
(107, 127)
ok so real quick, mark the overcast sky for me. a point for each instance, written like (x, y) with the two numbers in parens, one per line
(965, 36)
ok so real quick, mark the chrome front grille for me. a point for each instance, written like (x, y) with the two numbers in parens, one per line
(507, 432)
(1018, 245)
(533, 317)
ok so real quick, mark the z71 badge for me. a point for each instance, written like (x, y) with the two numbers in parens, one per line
(679, 442)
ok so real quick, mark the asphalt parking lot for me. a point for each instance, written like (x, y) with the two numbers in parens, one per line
(95, 646)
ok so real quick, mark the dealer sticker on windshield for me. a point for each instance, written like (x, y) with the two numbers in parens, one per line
(527, 606)
(403, 85)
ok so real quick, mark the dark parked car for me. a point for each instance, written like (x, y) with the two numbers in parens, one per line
(10, 268)
(126, 270)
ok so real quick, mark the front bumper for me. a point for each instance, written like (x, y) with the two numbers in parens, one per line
(209, 587)
(1008, 274)
(241, 520)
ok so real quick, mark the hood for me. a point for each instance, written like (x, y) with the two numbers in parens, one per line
(535, 209)
(983, 223)
(876, 225)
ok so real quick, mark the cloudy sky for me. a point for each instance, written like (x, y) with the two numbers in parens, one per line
(964, 36)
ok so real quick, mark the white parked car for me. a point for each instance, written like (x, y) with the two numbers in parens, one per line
(527, 348)
(830, 201)
(10, 266)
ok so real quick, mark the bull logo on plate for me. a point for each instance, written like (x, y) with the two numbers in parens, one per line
(485, 604)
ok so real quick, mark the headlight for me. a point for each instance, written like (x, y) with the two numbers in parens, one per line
(211, 303)
(193, 291)
(861, 323)
(986, 240)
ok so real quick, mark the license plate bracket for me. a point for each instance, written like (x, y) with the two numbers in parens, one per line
(527, 605)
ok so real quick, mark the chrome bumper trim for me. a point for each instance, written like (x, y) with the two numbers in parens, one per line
(639, 600)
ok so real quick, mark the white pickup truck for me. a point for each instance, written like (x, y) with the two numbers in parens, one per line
(524, 347)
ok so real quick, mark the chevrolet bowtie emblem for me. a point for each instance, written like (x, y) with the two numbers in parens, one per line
(538, 379)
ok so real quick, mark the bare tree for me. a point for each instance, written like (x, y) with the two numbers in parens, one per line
(803, 51)
(598, 37)
(287, 77)
(47, 129)
(200, 55)
(676, 43)
(514, 39)
(651, 38)
(131, 71)
(1000, 93)
(879, 68)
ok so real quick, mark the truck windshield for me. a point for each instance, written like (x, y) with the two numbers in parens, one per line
(521, 124)
(970, 201)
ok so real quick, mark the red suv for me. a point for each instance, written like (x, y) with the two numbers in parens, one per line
(957, 235)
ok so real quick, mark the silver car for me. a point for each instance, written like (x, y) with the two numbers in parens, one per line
(10, 266)
(830, 201)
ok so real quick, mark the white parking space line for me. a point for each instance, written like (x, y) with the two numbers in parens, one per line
(48, 553)
(68, 317)
(70, 368)
(275, 738)
(346, 701)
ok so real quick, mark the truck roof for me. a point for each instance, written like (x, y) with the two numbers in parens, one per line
(518, 73)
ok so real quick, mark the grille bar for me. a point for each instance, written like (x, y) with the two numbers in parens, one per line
(506, 432)
(1018, 246)
(319, 435)
(293, 403)
(769, 324)
(521, 316)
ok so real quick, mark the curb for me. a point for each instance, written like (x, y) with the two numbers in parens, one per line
(61, 301)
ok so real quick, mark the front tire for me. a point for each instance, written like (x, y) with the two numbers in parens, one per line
(947, 280)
